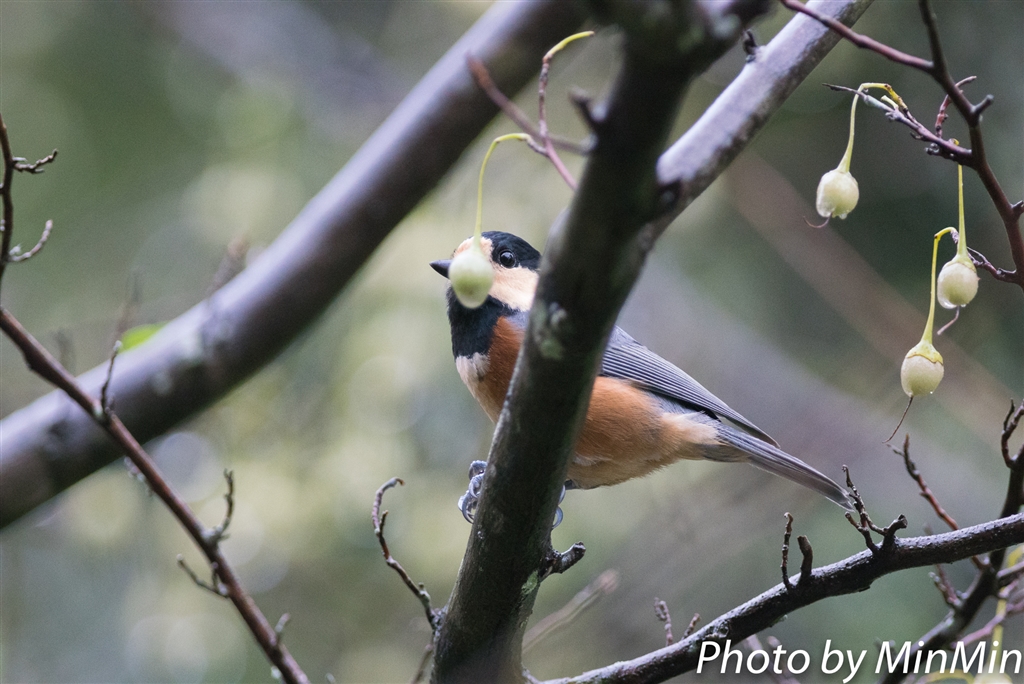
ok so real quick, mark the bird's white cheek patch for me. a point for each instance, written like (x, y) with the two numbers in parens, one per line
(472, 370)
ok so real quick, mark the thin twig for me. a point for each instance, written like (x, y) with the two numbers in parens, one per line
(985, 632)
(603, 584)
(663, 614)
(860, 40)
(1008, 575)
(219, 532)
(512, 110)
(23, 165)
(806, 562)
(785, 551)
(940, 146)
(866, 526)
(557, 562)
(542, 120)
(1010, 423)
(945, 587)
(940, 119)
(418, 590)
(421, 671)
(12, 164)
(981, 261)
(105, 400)
(17, 258)
(926, 492)
(214, 586)
(225, 581)
(692, 626)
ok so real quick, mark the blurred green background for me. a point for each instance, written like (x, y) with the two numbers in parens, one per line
(185, 126)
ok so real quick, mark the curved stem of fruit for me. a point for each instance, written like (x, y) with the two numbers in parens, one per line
(928, 327)
(844, 163)
(480, 184)
(962, 244)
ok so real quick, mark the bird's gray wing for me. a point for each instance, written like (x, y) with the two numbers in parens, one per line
(627, 359)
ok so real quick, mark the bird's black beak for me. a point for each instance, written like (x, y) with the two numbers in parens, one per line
(441, 266)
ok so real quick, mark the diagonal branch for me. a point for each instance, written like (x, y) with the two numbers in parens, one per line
(225, 581)
(197, 358)
(853, 574)
(513, 492)
(418, 590)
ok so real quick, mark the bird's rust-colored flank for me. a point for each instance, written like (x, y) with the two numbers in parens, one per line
(624, 436)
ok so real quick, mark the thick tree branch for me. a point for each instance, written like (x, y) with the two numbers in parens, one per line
(847, 576)
(205, 352)
(547, 407)
(589, 267)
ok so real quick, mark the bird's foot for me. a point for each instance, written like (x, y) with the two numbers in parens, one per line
(468, 501)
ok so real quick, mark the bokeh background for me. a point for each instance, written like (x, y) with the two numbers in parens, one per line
(184, 128)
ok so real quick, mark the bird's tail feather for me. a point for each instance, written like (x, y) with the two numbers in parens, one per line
(777, 462)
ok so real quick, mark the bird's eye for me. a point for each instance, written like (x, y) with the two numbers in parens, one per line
(507, 259)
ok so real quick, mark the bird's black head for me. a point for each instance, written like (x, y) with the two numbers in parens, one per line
(515, 263)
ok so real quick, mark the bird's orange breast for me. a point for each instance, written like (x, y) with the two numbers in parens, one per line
(626, 434)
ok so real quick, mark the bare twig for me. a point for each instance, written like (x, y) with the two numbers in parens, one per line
(662, 613)
(785, 551)
(847, 576)
(945, 587)
(225, 581)
(925, 492)
(1015, 608)
(548, 144)
(418, 590)
(752, 643)
(557, 562)
(603, 584)
(421, 670)
(1010, 423)
(214, 586)
(940, 119)
(512, 110)
(866, 526)
(23, 165)
(860, 40)
(10, 165)
(106, 402)
(542, 118)
(15, 258)
(1009, 575)
(938, 145)
(692, 626)
(806, 562)
(219, 532)
(981, 261)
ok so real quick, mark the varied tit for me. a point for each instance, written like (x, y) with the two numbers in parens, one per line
(644, 412)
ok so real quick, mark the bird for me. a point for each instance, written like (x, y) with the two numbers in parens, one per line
(644, 413)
